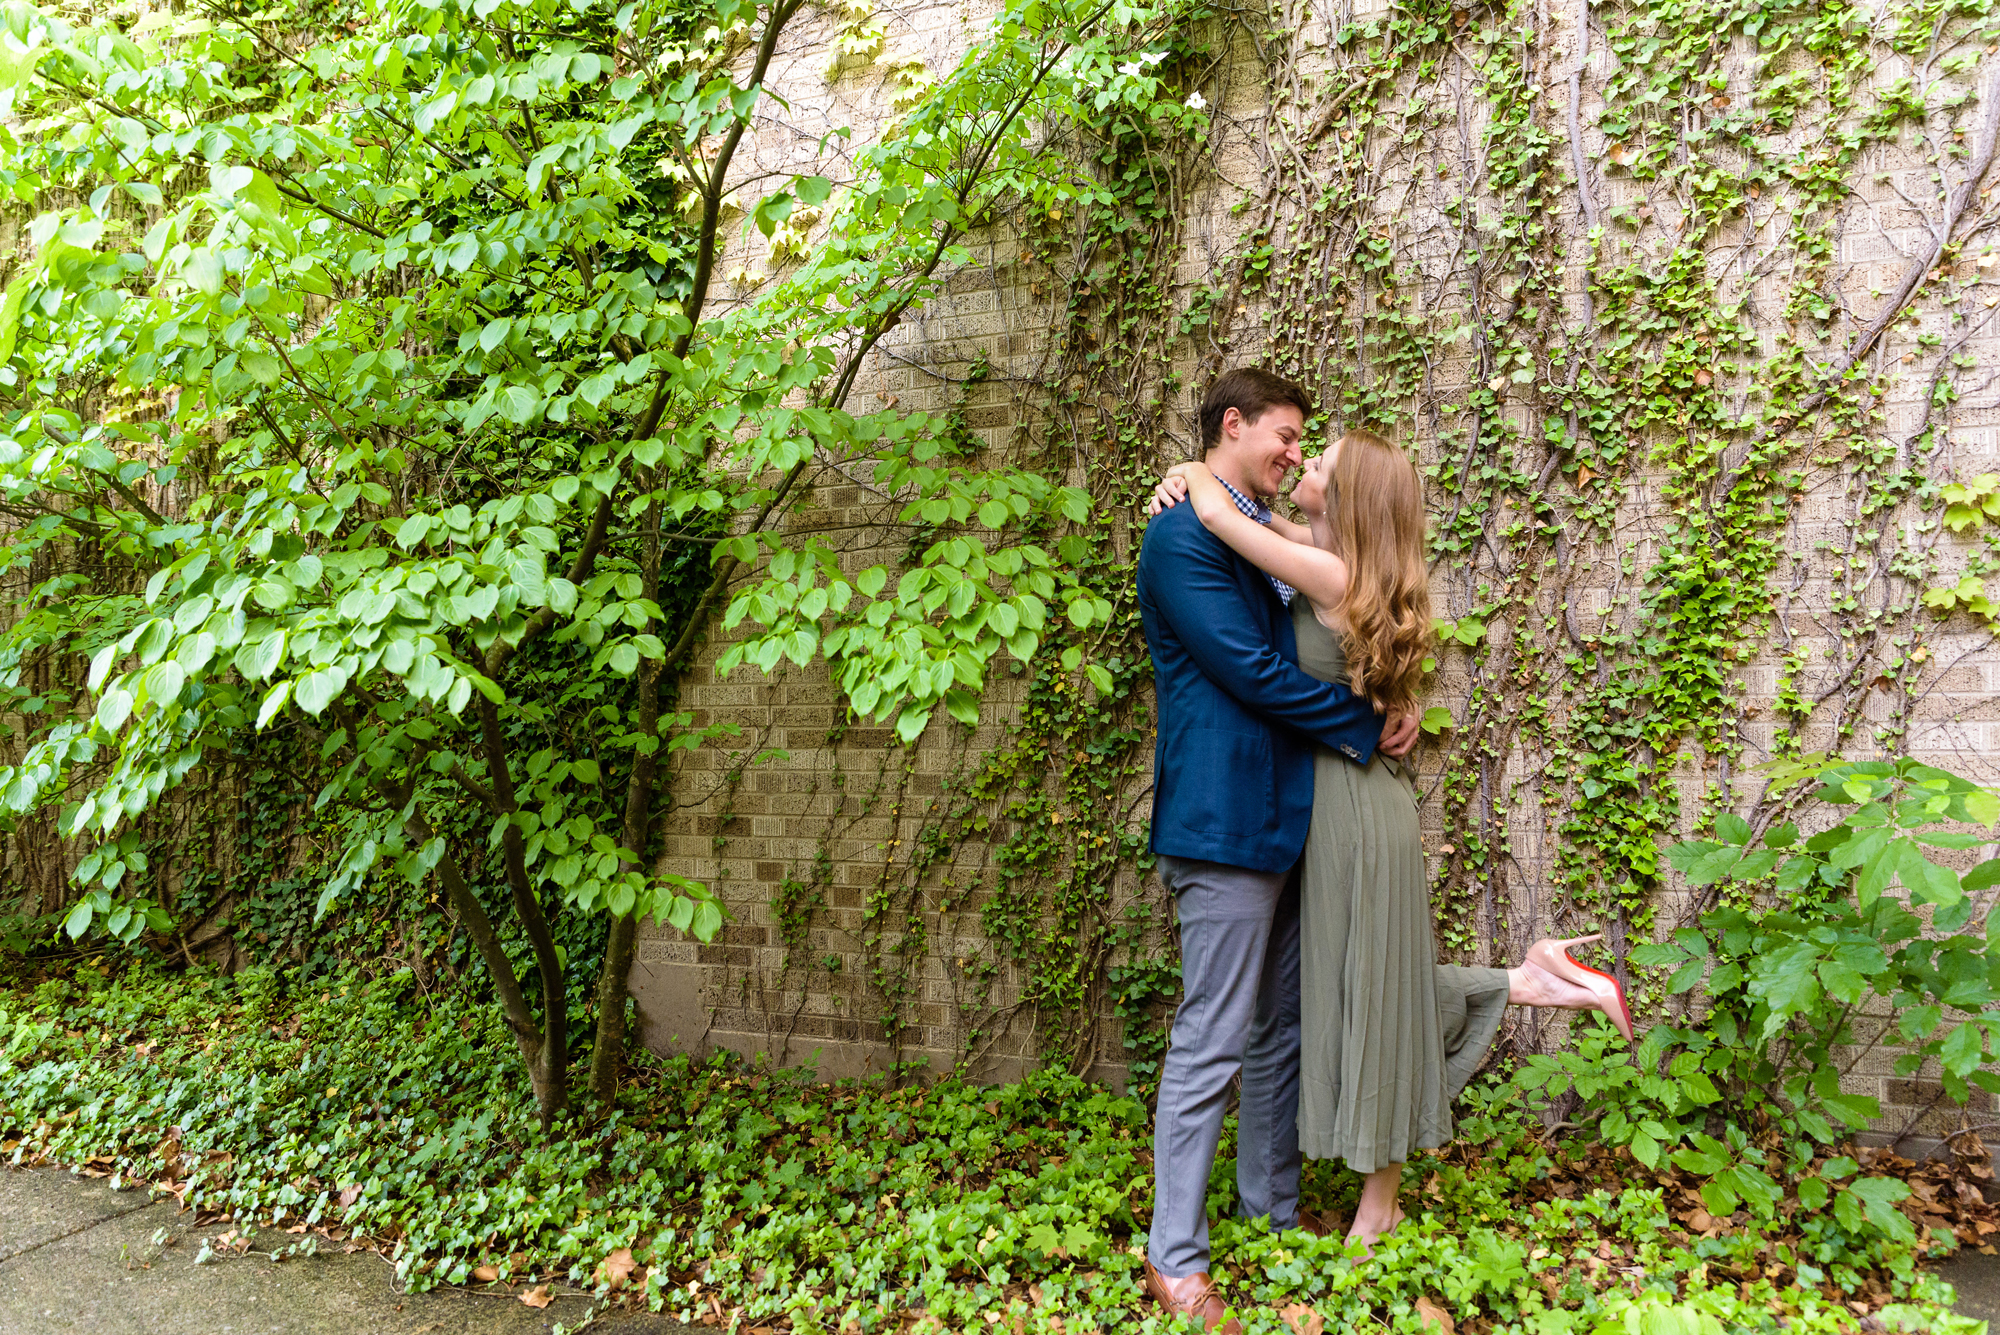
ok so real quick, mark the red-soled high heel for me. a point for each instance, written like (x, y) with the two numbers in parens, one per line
(1553, 956)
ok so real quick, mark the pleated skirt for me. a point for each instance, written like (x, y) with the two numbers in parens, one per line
(1390, 1036)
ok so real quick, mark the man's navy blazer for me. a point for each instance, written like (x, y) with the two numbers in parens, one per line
(1233, 768)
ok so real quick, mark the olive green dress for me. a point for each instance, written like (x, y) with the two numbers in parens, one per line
(1390, 1036)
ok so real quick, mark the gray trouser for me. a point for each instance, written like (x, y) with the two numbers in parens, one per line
(1239, 1011)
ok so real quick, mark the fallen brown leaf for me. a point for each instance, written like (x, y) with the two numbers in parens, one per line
(1302, 1319)
(537, 1296)
(1429, 1314)
(486, 1274)
(616, 1269)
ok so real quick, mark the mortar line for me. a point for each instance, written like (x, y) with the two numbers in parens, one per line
(5, 1257)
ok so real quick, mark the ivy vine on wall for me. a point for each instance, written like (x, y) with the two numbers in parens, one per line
(1623, 276)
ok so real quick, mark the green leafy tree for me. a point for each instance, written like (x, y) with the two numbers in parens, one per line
(346, 263)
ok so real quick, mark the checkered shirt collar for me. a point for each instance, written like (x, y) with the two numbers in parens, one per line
(1257, 510)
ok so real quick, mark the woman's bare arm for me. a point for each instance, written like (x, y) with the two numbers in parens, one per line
(1312, 570)
(1292, 531)
(1173, 489)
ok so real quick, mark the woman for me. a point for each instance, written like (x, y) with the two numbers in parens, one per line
(1390, 1035)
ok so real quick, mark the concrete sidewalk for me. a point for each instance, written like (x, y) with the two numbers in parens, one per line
(1977, 1279)
(75, 1255)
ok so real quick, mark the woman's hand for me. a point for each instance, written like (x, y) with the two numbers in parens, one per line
(1173, 488)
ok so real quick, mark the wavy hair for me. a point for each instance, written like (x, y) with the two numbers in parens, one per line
(1375, 507)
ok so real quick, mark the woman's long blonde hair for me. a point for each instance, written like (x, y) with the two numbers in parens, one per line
(1375, 506)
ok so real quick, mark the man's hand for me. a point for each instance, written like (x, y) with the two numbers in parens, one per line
(1399, 736)
(1171, 492)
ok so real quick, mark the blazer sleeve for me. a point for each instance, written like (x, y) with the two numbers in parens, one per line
(1202, 600)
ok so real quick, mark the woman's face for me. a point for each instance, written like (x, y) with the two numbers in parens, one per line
(1310, 493)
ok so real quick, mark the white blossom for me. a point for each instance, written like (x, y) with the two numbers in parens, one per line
(1131, 69)
(1196, 100)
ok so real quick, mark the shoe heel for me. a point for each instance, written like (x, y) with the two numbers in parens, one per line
(1554, 956)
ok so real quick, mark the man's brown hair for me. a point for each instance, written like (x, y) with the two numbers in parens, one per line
(1250, 391)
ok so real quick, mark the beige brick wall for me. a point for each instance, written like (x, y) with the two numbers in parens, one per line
(849, 801)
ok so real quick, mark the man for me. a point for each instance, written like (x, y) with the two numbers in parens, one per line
(1233, 789)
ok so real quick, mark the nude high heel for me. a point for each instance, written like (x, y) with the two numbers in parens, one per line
(1553, 956)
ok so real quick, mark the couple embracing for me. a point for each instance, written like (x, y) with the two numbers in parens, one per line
(1287, 659)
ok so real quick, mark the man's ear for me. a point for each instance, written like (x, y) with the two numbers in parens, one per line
(1232, 422)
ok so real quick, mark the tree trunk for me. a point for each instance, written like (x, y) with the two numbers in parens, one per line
(607, 1054)
(537, 1044)
(607, 1058)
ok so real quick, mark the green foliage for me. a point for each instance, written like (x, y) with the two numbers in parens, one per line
(443, 414)
(363, 1106)
(1748, 1096)
(1865, 912)
(1053, 796)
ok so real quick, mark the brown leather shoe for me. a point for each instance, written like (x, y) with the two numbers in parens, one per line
(1192, 1295)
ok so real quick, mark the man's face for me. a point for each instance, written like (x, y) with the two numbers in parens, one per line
(1259, 454)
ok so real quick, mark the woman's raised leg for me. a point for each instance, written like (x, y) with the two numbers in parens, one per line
(1549, 977)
